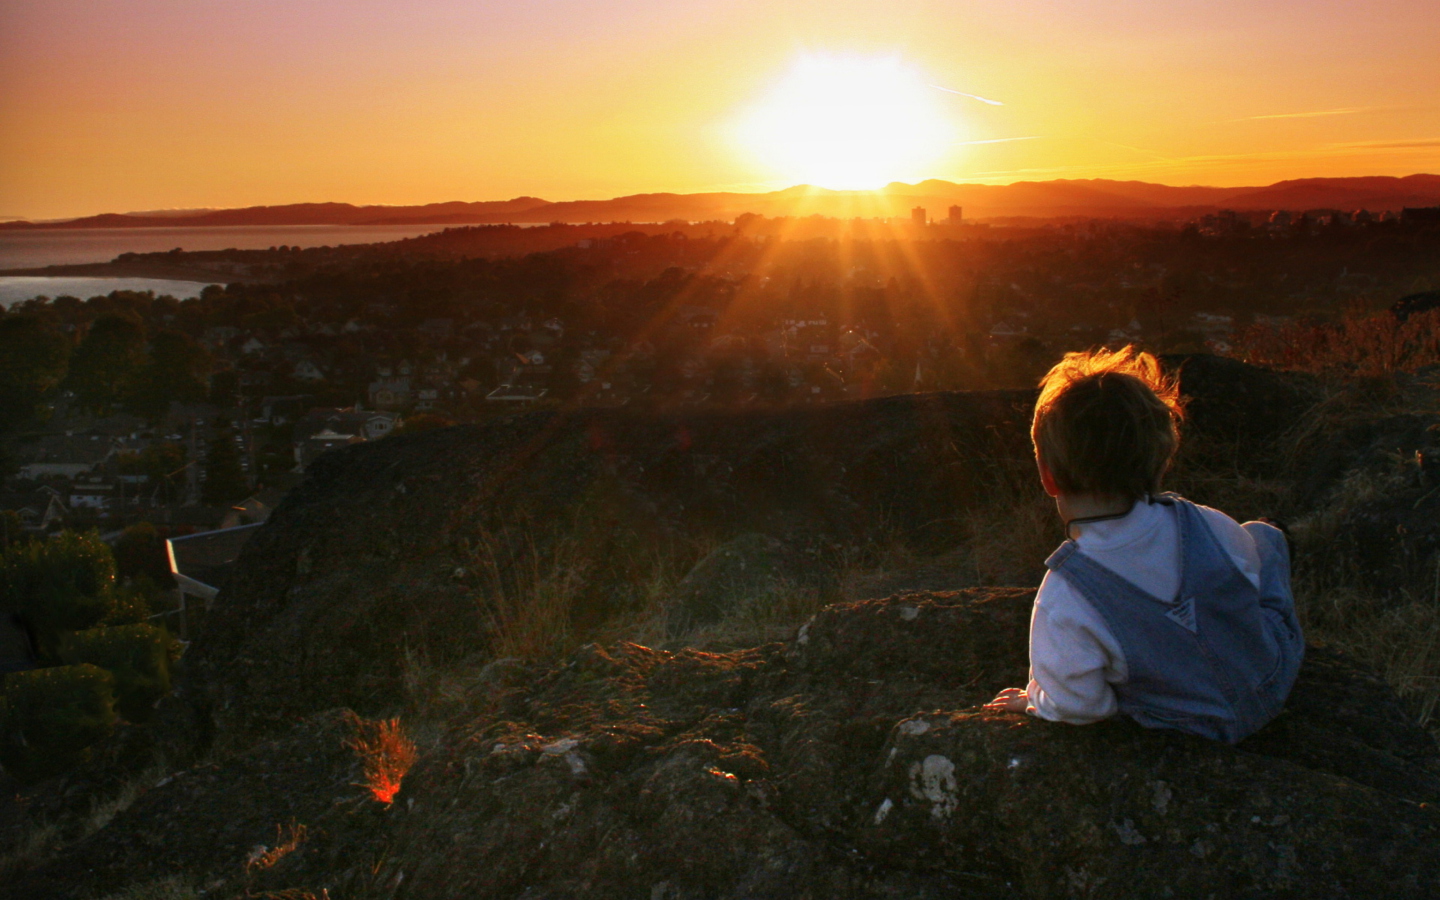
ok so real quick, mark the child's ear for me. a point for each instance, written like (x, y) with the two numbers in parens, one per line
(1047, 480)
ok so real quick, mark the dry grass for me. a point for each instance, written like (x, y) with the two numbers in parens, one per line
(1357, 345)
(35, 845)
(1005, 537)
(287, 840)
(41, 840)
(386, 754)
(530, 597)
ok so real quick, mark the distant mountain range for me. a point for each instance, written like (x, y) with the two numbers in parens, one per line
(1046, 199)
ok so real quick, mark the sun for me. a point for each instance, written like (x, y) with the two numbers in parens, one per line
(848, 123)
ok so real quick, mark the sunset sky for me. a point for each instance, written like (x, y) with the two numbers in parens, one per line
(119, 105)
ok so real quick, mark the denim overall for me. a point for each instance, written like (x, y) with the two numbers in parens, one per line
(1220, 658)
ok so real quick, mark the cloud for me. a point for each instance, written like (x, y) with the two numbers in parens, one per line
(971, 96)
(1342, 111)
(1415, 144)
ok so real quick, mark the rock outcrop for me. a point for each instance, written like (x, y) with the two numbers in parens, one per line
(853, 761)
(381, 552)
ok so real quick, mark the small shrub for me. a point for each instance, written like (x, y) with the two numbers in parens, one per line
(137, 655)
(50, 718)
(385, 752)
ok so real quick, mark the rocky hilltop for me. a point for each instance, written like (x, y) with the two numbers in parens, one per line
(850, 760)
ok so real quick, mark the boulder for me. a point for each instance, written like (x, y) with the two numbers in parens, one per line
(744, 575)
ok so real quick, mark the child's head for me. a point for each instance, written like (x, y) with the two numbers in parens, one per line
(1106, 423)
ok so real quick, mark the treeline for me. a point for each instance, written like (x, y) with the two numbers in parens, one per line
(112, 351)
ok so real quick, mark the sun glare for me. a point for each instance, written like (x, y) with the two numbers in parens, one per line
(851, 123)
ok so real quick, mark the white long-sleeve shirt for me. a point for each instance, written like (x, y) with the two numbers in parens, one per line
(1075, 660)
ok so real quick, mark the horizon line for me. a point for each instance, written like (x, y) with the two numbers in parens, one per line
(180, 213)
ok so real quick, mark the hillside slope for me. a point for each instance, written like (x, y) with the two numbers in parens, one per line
(848, 760)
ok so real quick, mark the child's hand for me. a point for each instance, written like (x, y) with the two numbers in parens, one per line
(1010, 700)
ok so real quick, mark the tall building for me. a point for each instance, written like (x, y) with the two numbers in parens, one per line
(917, 215)
(955, 215)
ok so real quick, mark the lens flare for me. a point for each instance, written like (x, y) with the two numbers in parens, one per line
(851, 123)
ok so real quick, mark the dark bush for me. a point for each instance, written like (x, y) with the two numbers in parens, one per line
(140, 552)
(137, 655)
(50, 718)
(59, 585)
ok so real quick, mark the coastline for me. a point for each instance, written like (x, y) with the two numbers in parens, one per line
(145, 269)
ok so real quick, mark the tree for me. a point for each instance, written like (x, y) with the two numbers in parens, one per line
(162, 464)
(174, 371)
(33, 359)
(108, 361)
(224, 478)
(140, 551)
(225, 388)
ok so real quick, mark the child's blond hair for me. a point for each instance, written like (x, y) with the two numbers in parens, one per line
(1107, 423)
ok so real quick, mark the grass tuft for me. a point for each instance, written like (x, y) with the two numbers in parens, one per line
(386, 754)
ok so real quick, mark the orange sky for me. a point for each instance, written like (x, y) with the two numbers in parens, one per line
(118, 105)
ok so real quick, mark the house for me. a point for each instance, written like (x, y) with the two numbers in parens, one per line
(323, 429)
(65, 456)
(91, 496)
(389, 391)
(37, 509)
(427, 398)
(306, 370)
(368, 425)
(516, 393)
(253, 510)
(311, 447)
(1004, 330)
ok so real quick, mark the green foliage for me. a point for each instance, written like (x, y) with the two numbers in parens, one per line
(33, 358)
(137, 655)
(133, 601)
(62, 584)
(50, 718)
(12, 529)
(106, 365)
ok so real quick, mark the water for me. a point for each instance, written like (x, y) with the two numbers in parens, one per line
(33, 249)
(17, 288)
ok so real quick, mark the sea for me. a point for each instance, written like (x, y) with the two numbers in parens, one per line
(35, 249)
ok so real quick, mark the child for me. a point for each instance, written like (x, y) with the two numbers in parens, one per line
(1154, 607)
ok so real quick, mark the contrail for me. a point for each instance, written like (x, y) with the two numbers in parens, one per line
(971, 96)
(1343, 111)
